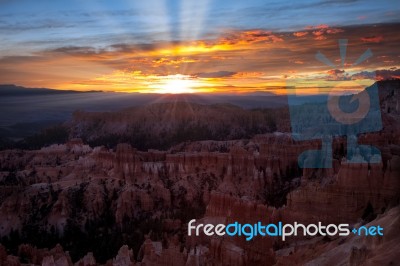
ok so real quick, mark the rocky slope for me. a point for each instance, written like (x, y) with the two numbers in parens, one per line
(161, 125)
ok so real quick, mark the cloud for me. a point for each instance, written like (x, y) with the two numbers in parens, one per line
(318, 32)
(328, 2)
(16, 60)
(241, 58)
(363, 75)
(300, 33)
(217, 74)
(248, 75)
(372, 39)
(337, 74)
(249, 37)
(318, 27)
(163, 61)
(334, 31)
(381, 74)
(41, 24)
(75, 50)
(320, 38)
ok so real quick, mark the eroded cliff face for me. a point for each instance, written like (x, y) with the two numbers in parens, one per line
(73, 184)
(346, 197)
(150, 179)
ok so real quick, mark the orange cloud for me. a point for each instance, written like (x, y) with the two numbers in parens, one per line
(320, 38)
(319, 27)
(237, 60)
(334, 31)
(372, 39)
(248, 74)
(318, 32)
(167, 61)
(234, 40)
(323, 29)
(300, 33)
(322, 26)
(249, 37)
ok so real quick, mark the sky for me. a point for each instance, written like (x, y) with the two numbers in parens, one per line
(197, 46)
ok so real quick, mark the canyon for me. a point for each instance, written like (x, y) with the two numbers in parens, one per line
(77, 203)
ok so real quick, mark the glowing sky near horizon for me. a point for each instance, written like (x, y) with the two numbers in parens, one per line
(195, 46)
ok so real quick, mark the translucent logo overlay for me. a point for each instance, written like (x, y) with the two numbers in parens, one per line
(335, 112)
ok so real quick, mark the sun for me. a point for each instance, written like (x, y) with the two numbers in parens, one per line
(178, 85)
(175, 84)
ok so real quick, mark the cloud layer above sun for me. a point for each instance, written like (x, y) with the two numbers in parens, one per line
(192, 47)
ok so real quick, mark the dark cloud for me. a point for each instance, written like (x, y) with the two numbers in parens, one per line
(335, 2)
(218, 74)
(372, 39)
(364, 75)
(47, 24)
(337, 74)
(249, 36)
(382, 74)
(75, 50)
(15, 60)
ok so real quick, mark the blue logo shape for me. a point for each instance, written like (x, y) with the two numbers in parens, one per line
(335, 113)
